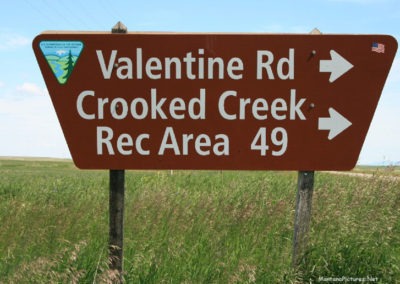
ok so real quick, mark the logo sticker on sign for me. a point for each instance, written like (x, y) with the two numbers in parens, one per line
(61, 57)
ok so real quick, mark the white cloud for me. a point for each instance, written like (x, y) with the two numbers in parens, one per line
(29, 125)
(9, 41)
(31, 88)
(61, 52)
(2, 84)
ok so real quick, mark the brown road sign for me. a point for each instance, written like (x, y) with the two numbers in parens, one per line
(214, 101)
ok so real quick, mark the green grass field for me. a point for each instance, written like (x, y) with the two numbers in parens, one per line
(194, 226)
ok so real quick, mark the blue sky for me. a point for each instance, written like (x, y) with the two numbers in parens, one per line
(28, 124)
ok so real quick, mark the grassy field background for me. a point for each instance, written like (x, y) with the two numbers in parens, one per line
(195, 226)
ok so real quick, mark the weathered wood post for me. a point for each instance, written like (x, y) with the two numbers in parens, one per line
(305, 188)
(116, 236)
(117, 199)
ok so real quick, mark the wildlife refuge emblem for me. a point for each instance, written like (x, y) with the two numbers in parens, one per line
(61, 57)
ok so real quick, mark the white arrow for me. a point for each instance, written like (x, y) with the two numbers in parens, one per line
(336, 123)
(337, 66)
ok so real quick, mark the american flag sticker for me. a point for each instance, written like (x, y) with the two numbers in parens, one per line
(378, 47)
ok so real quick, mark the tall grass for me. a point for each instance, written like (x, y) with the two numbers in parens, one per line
(192, 227)
(355, 229)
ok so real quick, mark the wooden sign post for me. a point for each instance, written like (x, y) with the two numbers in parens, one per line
(116, 233)
(305, 187)
(302, 218)
(117, 205)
